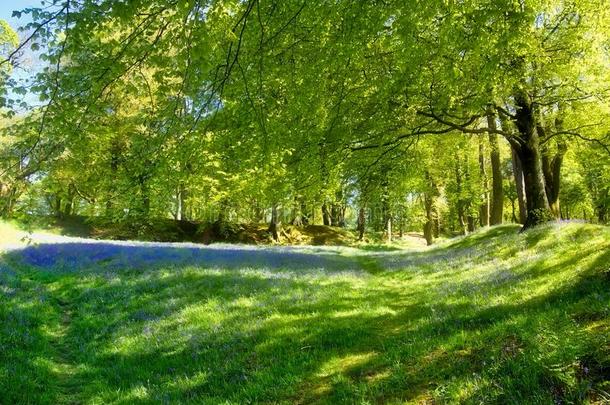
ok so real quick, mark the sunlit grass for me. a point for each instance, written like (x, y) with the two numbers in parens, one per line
(10, 234)
(495, 317)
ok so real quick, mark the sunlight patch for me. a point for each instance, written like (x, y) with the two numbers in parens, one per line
(344, 364)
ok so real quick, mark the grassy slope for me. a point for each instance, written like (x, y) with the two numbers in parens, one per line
(169, 230)
(495, 317)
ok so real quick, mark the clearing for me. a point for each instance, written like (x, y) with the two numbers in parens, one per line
(494, 317)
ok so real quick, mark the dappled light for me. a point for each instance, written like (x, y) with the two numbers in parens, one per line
(199, 326)
(304, 202)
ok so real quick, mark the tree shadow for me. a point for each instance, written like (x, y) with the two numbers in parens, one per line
(80, 256)
(223, 324)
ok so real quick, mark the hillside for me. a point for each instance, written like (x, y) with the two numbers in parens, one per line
(494, 317)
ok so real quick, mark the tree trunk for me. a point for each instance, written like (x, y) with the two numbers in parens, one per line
(297, 213)
(258, 212)
(326, 217)
(361, 223)
(601, 208)
(401, 224)
(518, 174)
(387, 211)
(470, 221)
(220, 224)
(388, 229)
(178, 212)
(337, 215)
(484, 208)
(513, 210)
(115, 158)
(459, 201)
(551, 167)
(551, 164)
(527, 148)
(69, 203)
(497, 200)
(182, 207)
(431, 227)
(275, 225)
(428, 231)
(57, 206)
(304, 216)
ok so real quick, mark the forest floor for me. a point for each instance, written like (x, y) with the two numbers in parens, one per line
(54, 230)
(169, 230)
(494, 317)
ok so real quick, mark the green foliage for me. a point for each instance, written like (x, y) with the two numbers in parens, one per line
(225, 109)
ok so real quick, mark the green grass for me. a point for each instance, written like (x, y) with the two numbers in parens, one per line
(495, 317)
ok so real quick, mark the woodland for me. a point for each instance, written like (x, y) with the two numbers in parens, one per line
(305, 202)
(438, 116)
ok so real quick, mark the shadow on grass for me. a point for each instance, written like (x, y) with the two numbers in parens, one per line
(172, 327)
(73, 257)
(482, 235)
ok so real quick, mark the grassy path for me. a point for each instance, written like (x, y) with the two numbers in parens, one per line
(66, 366)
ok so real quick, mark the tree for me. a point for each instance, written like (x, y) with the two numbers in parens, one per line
(246, 107)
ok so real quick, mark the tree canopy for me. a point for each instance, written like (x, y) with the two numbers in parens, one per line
(433, 115)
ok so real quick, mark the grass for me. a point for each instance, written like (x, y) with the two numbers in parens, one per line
(12, 234)
(495, 317)
(169, 230)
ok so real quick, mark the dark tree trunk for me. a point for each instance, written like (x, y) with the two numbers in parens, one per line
(484, 208)
(326, 217)
(386, 209)
(518, 173)
(497, 200)
(304, 216)
(601, 208)
(551, 167)
(337, 215)
(57, 206)
(470, 221)
(428, 232)
(220, 225)
(69, 204)
(431, 227)
(527, 148)
(401, 224)
(551, 164)
(513, 211)
(361, 223)
(275, 226)
(459, 200)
